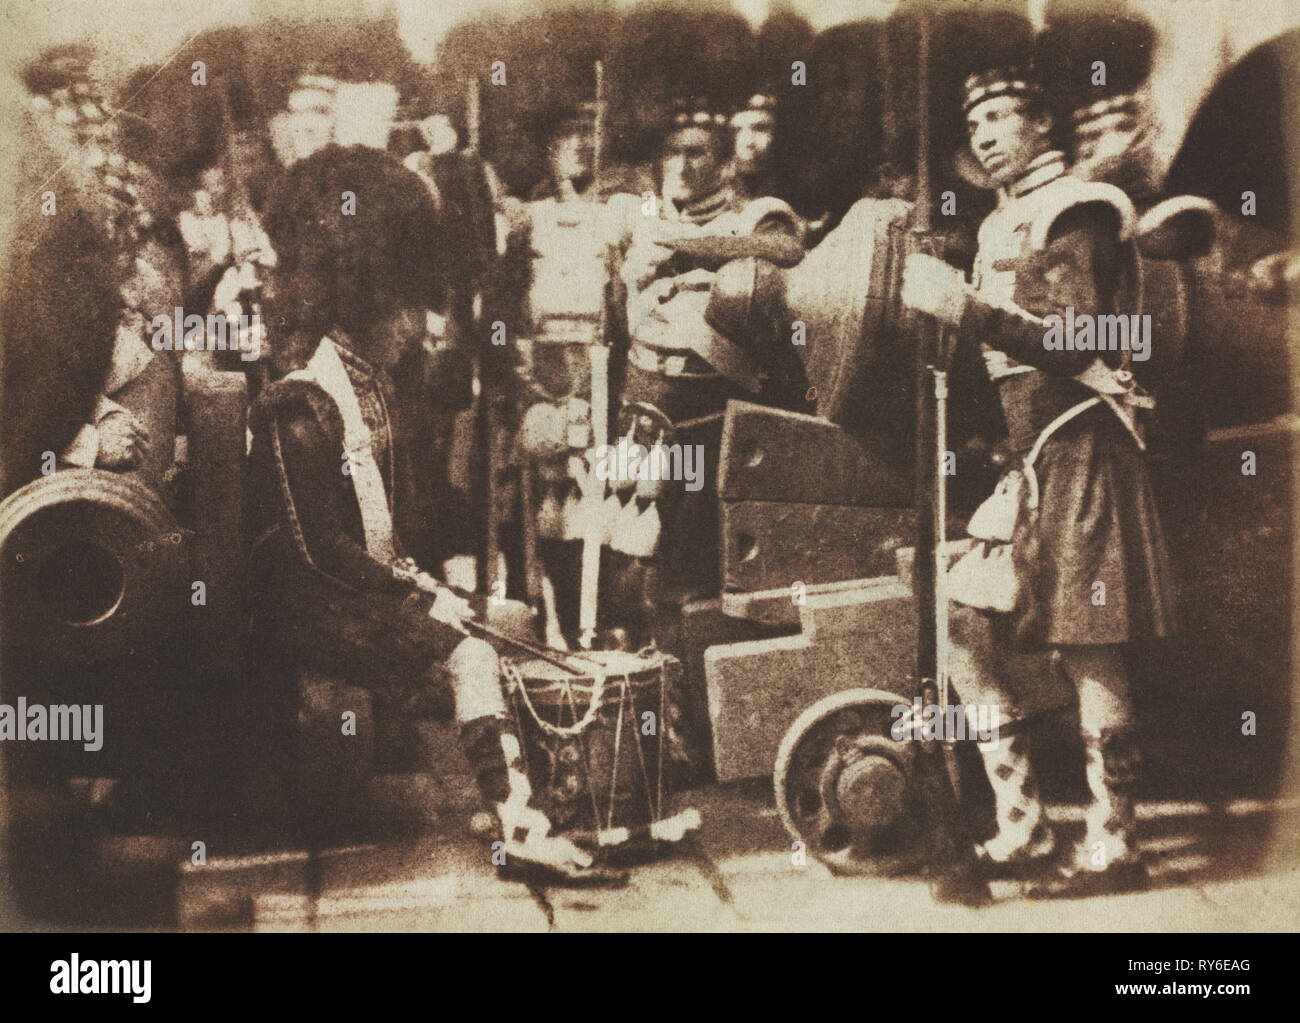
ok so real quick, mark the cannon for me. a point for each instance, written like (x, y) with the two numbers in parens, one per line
(92, 562)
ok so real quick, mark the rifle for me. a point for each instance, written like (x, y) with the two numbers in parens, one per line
(592, 486)
(950, 851)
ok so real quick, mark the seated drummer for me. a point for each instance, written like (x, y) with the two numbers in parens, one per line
(329, 473)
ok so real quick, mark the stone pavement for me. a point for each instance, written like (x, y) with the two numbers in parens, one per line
(737, 874)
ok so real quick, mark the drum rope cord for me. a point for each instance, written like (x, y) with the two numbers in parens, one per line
(618, 745)
(653, 801)
(579, 748)
(515, 681)
(585, 750)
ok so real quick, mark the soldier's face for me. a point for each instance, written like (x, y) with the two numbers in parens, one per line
(570, 157)
(1004, 138)
(393, 334)
(690, 164)
(753, 145)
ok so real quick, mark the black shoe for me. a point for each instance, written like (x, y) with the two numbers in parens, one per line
(545, 874)
(1072, 883)
(961, 887)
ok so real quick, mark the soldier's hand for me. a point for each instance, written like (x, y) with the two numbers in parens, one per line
(516, 215)
(645, 258)
(450, 609)
(543, 433)
(459, 570)
(932, 286)
(694, 280)
(123, 441)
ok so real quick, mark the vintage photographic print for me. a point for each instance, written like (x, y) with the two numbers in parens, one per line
(649, 465)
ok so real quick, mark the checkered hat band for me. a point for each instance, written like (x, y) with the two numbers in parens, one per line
(1125, 104)
(1107, 124)
(748, 117)
(699, 119)
(976, 94)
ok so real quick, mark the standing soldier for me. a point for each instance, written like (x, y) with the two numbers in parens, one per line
(1090, 569)
(700, 332)
(572, 172)
(571, 235)
(1112, 139)
(679, 361)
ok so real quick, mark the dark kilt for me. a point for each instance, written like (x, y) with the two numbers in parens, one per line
(1096, 522)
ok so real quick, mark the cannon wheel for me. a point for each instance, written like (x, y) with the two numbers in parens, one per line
(845, 788)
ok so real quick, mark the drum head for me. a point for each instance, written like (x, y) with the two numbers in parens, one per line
(550, 685)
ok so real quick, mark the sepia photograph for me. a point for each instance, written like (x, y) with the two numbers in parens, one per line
(711, 466)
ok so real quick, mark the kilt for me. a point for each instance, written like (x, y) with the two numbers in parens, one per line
(1091, 561)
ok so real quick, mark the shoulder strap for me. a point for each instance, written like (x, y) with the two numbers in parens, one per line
(756, 210)
(1056, 424)
(326, 370)
(1048, 430)
(264, 417)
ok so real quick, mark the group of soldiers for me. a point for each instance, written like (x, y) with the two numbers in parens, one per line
(630, 264)
(613, 335)
(647, 298)
(1077, 511)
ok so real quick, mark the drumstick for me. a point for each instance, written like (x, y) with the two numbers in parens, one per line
(554, 636)
(669, 829)
(540, 652)
(428, 584)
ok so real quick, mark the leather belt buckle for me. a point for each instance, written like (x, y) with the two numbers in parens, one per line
(684, 364)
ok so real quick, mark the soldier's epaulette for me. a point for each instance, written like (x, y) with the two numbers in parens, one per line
(1070, 193)
(757, 210)
(287, 396)
(1180, 227)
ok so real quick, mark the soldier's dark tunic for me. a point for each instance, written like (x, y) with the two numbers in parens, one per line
(343, 613)
(1096, 519)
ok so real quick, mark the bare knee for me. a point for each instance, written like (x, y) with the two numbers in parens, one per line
(476, 680)
(1100, 679)
(1103, 665)
(474, 657)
